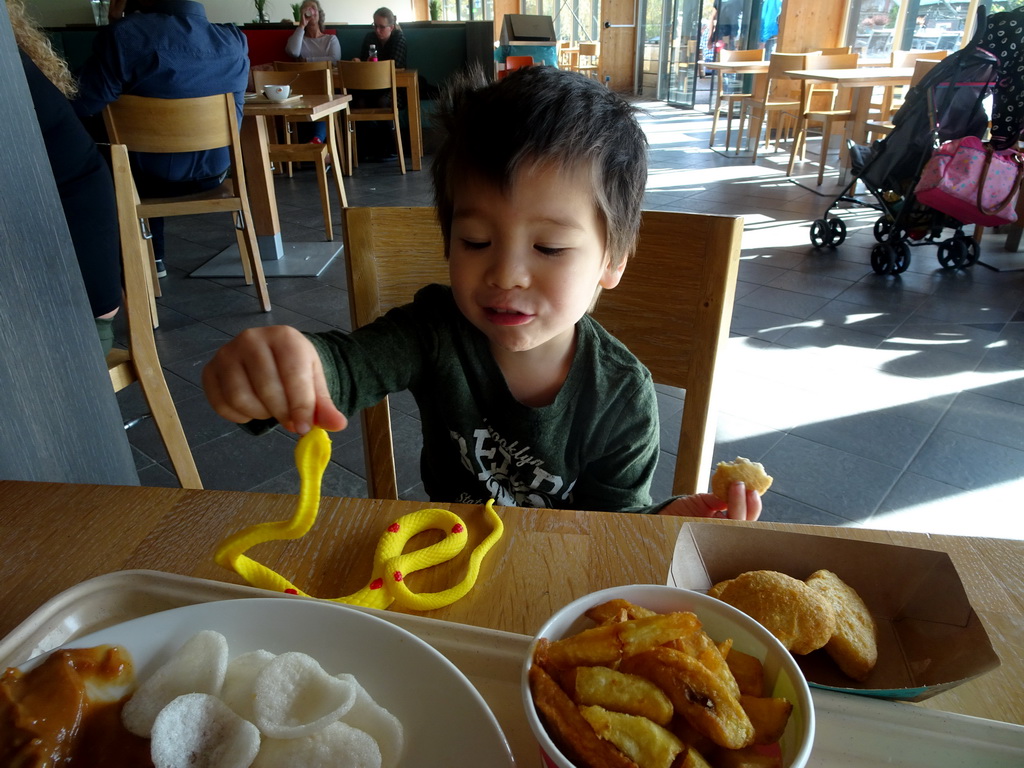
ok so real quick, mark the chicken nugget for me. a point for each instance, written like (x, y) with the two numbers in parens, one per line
(567, 727)
(854, 644)
(742, 470)
(800, 617)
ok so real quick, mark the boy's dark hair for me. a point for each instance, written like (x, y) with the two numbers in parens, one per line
(539, 115)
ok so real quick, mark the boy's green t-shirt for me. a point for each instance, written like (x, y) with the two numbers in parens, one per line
(595, 447)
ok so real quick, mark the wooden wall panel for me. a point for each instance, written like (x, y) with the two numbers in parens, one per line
(808, 25)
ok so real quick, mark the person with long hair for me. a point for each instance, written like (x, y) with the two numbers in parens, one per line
(310, 41)
(82, 176)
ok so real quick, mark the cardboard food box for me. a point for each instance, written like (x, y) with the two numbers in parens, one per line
(929, 637)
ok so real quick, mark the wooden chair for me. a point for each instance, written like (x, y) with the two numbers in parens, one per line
(145, 124)
(730, 99)
(892, 96)
(776, 96)
(296, 66)
(836, 51)
(140, 362)
(672, 309)
(513, 63)
(309, 82)
(587, 59)
(884, 126)
(369, 76)
(837, 109)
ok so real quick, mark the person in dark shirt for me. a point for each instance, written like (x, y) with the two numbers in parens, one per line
(83, 180)
(1004, 38)
(167, 50)
(375, 140)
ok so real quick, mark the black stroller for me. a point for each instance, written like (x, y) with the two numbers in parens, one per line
(946, 104)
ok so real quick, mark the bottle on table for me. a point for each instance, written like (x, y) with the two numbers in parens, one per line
(373, 53)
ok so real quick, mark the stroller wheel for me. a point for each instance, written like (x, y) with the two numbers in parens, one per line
(901, 257)
(821, 233)
(882, 229)
(837, 228)
(882, 258)
(953, 253)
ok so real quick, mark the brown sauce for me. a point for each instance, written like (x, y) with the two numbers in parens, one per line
(48, 720)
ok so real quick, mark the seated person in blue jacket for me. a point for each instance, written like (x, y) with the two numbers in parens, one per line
(524, 398)
(166, 49)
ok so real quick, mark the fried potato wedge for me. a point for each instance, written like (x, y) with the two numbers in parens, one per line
(749, 757)
(768, 716)
(645, 743)
(607, 644)
(619, 692)
(704, 649)
(612, 610)
(693, 759)
(573, 734)
(697, 694)
(748, 671)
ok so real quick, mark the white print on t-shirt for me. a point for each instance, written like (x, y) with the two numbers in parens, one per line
(512, 475)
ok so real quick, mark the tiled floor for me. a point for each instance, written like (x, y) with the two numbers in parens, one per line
(874, 401)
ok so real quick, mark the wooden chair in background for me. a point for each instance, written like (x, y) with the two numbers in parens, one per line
(730, 100)
(775, 97)
(883, 127)
(309, 82)
(587, 59)
(145, 124)
(369, 76)
(672, 309)
(140, 362)
(892, 96)
(834, 107)
(295, 66)
(512, 63)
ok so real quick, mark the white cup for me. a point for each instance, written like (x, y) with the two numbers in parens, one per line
(277, 92)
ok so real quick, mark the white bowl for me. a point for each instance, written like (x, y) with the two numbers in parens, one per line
(784, 678)
(277, 92)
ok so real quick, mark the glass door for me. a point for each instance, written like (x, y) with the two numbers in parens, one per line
(670, 51)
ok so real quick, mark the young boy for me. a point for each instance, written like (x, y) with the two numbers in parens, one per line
(539, 184)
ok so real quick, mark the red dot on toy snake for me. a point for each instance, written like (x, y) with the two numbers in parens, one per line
(398, 575)
(291, 591)
(394, 528)
(376, 583)
(457, 528)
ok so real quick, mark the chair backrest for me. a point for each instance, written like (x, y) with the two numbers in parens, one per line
(303, 82)
(589, 49)
(835, 51)
(827, 95)
(778, 85)
(516, 62)
(672, 309)
(366, 75)
(909, 58)
(725, 56)
(146, 124)
(922, 67)
(302, 66)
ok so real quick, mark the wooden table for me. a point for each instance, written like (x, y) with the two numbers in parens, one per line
(55, 536)
(861, 81)
(409, 79)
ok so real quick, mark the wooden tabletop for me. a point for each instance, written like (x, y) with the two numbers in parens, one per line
(743, 67)
(860, 77)
(312, 107)
(55, 536)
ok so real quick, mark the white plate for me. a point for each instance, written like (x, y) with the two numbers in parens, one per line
(446, 721)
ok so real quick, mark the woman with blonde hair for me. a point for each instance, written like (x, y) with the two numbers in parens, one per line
(82, 176)
(310, 41)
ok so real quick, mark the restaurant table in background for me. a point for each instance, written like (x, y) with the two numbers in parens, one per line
(56, 536)
(280, 259)
(862, 81)
(757, 68)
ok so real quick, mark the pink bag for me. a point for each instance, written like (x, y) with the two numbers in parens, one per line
(972, 182)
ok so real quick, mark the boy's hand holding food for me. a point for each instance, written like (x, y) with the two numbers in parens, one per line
(743, 504)
(272, 372)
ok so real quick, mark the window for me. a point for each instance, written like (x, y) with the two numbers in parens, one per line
(876, 27)
(574, 19)
(467, 10)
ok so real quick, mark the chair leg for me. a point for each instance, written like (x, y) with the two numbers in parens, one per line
(325, 200)
(332, 141)
(250, 252)
(714, 122)
(799, 144)
(165, 415)
(398, 144)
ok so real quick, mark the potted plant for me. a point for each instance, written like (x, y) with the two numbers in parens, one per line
(435, 10)
(261, 11)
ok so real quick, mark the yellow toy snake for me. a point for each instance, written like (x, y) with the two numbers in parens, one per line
(390, 564)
